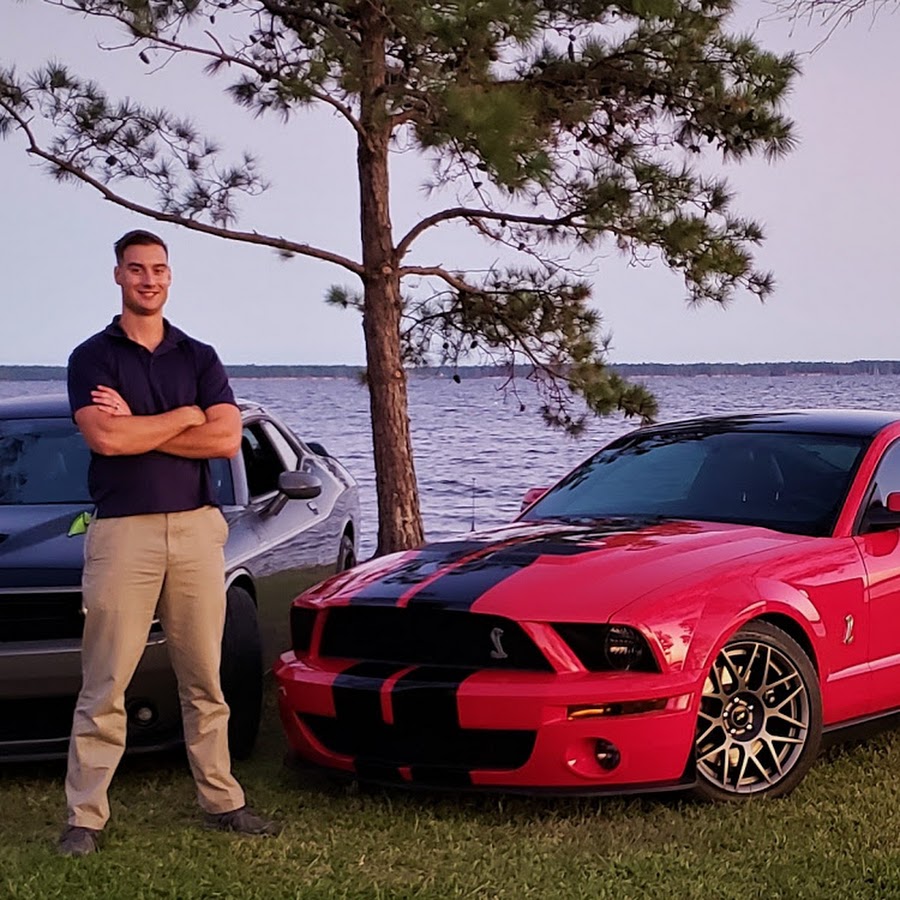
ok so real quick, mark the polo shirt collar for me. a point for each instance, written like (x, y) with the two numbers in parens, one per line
(172, 336)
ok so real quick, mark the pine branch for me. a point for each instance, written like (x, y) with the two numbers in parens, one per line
(470, 214)
(60, 164)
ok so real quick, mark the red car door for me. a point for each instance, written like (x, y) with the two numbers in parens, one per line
(879, 544)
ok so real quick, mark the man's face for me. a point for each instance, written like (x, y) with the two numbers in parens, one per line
(144, 277)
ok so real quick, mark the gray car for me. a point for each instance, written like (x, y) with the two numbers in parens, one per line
(293, 513)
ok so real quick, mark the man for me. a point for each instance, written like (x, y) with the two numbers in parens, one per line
(154, 405)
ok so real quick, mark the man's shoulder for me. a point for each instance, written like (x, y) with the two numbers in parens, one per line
(200, 348)
(98, 343)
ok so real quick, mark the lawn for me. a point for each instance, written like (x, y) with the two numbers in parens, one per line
(836, 836)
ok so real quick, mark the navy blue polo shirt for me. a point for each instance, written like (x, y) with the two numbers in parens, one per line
(181, 371)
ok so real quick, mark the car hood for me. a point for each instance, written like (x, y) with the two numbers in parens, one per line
(549, 570)
(35, 550)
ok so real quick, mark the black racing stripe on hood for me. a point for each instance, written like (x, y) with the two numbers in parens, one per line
(391, 587)
(460, 587)
(478, 563)
(357, 693)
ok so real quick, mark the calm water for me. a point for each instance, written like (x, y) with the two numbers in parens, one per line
(476, 454)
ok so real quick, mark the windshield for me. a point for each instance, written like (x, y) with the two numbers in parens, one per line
(787, 481)
(42, 461)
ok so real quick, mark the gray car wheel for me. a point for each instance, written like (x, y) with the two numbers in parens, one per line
(242, 671)
(759, 726)
(346, 554)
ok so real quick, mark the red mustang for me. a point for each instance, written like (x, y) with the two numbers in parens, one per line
(696, 605)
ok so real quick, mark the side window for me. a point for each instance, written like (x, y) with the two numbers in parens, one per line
(287, 453)
(223, 484)
(262, 462)
(887, 475)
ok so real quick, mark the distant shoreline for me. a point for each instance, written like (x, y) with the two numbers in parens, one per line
(857, 367)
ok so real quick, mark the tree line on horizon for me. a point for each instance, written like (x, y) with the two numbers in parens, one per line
(856, 367)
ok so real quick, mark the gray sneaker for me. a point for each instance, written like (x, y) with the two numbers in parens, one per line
(242, 821)
(77, 841)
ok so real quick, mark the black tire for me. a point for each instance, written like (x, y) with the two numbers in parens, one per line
(242, 671)
(759, 728)
(346, 554)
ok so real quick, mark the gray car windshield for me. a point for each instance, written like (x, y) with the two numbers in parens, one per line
(42, 461)
(790, 482)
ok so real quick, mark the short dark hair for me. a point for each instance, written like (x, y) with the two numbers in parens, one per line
(138, 238)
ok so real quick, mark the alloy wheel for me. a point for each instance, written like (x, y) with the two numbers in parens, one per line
(755, 719)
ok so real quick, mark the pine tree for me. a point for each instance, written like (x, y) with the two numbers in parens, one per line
(560, 127)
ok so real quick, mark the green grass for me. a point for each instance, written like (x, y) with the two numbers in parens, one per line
(836, 836)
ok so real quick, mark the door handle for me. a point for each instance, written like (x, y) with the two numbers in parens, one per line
(312, 507)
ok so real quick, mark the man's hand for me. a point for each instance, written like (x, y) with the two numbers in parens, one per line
(219, 436)
(110, 401)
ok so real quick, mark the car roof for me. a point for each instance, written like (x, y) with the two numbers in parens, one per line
(51, 406)
(851, 422)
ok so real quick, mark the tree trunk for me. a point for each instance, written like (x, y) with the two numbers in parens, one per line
(399, 515)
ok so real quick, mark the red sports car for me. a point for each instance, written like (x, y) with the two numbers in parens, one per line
(696, 605)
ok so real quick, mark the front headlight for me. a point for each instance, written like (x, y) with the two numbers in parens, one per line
(608, 648)
(625, 648)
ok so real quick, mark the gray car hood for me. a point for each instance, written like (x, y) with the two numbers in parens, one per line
(35, 549)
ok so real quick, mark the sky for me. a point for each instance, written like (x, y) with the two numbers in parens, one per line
(831, 211)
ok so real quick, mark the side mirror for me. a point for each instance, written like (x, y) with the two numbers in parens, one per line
(532, 495)
(883, 518)
(299, 485)
(293, 486)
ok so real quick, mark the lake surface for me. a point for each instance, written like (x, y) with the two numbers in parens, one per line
(476, 453)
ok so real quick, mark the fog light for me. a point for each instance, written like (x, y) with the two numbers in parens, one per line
(607, 755)
(142, 714)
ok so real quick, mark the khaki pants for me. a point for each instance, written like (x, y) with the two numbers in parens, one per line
(170, 565)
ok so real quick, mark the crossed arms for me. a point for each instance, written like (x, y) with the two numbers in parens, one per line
(111, 430)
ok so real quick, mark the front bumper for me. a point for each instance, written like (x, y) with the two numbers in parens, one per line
(39, 685)
(439, 727)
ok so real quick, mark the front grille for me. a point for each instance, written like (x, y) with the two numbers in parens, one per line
(423, 636)
(302, 621)
(394, 745)
(50, 616)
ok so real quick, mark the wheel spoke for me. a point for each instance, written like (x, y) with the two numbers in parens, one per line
(782, 739)
(725, 760)
(762, 769)
(748, 670)
(713, 725)
(786, 718)
(793, 676)
(789, 698)
(735, 676)
(776, 758)
(748, 756)
(714, 682)
(711, 755)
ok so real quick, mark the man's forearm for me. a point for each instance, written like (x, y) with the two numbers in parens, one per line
(132, 435)
(217, 438)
